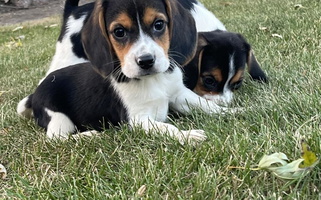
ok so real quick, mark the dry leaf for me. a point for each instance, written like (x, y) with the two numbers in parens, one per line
(277, 35)
(17, 28)
(262, 28)
(226, 3)
(276, 158)
(293, 170)
(308, 156)
(141, 191)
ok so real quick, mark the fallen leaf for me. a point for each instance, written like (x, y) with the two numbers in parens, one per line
(17, 28)
(276, 158)
(141, 191)
(309, 157)
(289, 171)
(226, 3)
(277, 35)
(262, 28)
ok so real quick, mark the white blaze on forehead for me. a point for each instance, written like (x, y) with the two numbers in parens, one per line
(144, 45)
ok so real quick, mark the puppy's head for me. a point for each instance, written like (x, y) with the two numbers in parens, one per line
(135, 36)
(220, 64)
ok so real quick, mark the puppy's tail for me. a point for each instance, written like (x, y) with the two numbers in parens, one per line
(24, 107)
(70, 5)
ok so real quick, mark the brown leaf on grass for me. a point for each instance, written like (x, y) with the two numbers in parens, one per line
(17, 28)
(226, 3)
(141, 191)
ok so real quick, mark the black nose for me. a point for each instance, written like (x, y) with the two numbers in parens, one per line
(145, 61)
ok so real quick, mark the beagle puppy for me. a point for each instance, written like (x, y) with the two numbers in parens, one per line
(134, 48)
(217, 69)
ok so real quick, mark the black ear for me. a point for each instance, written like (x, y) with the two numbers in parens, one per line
(96, 42)
(254, 68)
(193, 68)
(253, 65)
(182, 32)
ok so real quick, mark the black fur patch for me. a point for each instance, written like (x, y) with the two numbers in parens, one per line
(77, 47)
(188, 4)
(83, 95)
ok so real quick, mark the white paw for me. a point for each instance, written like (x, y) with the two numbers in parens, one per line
(192, 136)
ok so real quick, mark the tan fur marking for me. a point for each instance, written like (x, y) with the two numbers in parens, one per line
(200, 89)
(122, 19)
(150, 15)
(238, 76)
(120, 49)
(164, 41)
(149, 18)
(217, 74)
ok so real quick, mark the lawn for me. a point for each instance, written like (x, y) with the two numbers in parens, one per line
(119, 164)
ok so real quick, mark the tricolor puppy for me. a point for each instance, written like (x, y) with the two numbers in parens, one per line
(131, 76)
(217, 69)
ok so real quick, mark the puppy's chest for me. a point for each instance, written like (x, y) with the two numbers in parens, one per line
(146, 98)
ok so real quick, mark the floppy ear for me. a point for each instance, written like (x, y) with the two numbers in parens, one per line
(182, 32)
(253, 65)
(254, 68)
(96, 42)
(192, 69)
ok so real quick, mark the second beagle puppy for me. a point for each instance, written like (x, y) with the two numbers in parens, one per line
(218, 67)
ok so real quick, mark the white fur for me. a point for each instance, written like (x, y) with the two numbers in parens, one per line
(22, 110)
(64, 56)
(205, 20)
(60, 126)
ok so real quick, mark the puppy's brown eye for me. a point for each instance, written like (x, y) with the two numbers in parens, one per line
(119, 32)
(209, 81)
(159, 25)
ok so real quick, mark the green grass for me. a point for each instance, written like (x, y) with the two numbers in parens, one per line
(116, 164)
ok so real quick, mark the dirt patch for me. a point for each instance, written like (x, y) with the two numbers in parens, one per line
(10, 14)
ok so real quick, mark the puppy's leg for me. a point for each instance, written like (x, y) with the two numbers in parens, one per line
(185, 100)
(59, 126)
(170, 130)
(24, 108)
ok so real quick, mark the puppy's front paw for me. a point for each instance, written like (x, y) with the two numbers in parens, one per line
(192, 136)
